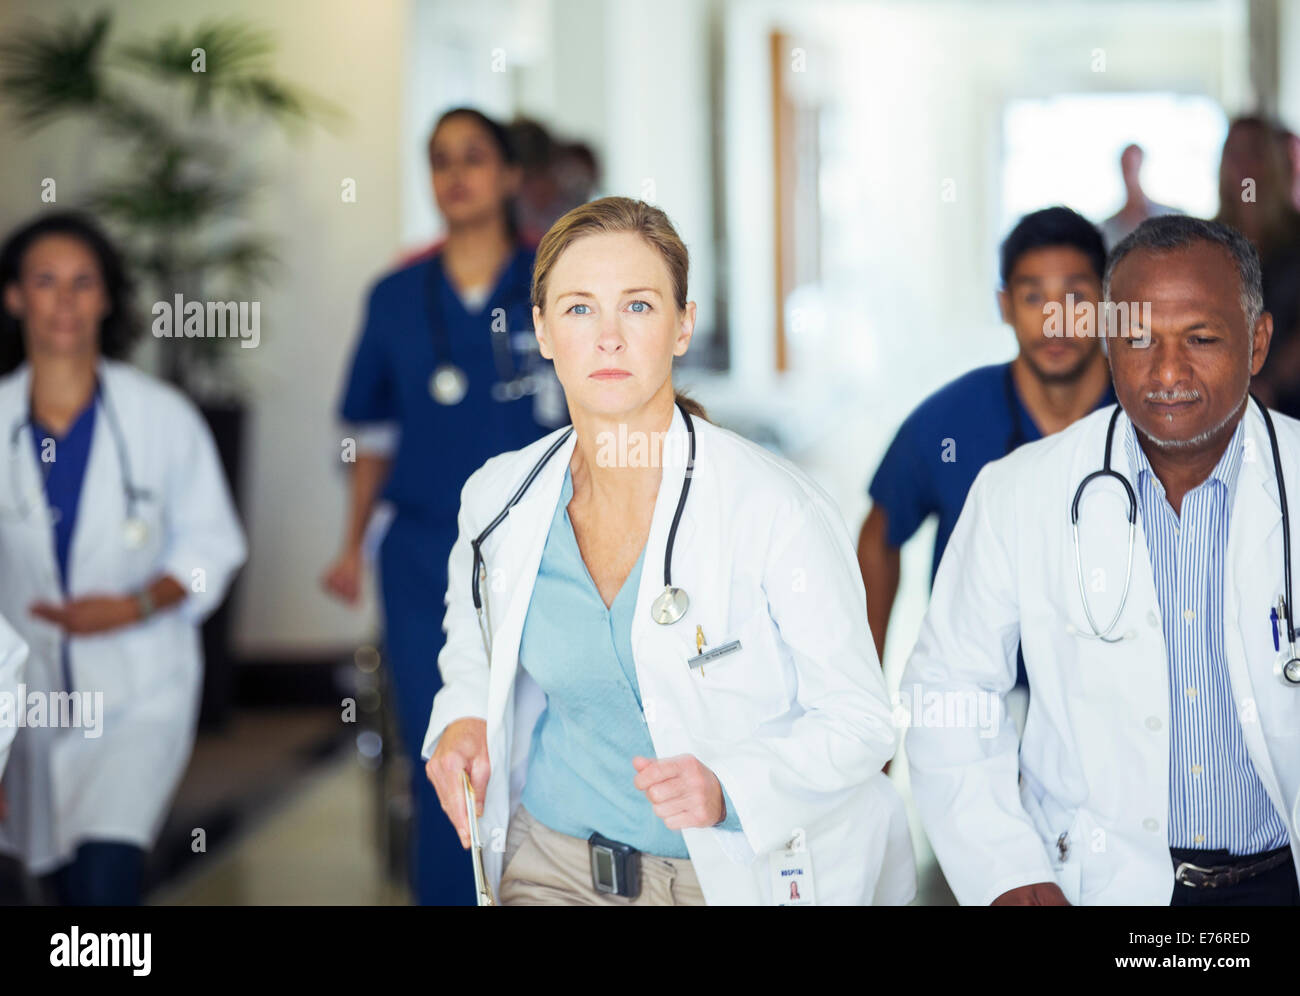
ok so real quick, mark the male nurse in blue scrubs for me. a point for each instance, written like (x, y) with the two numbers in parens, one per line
(445, 376)
(986, 413)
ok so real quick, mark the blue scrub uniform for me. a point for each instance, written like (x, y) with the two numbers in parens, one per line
(943, 445)
(410, 313)
(102, 872)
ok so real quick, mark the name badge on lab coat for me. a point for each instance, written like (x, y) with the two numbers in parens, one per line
(709, 656)
(792, 877)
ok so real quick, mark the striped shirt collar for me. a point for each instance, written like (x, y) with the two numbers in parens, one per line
(1226, 471)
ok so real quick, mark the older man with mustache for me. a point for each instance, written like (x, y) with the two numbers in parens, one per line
(1161, 755)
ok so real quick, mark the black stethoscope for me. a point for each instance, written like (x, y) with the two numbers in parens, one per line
(1287, 667)
(669, 605)
(449, 383)
(135, 531)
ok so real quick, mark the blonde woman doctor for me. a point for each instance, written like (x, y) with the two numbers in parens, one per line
(672, 696)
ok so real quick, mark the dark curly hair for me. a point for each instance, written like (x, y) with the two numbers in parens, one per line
(119, 330)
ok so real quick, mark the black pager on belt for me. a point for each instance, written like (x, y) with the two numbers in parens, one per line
(615, 867)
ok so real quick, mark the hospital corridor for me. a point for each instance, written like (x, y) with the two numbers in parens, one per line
(647, 453)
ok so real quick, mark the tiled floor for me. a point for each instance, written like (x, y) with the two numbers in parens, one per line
(320, 847)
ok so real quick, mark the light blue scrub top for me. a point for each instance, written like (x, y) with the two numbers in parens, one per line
(580, 652)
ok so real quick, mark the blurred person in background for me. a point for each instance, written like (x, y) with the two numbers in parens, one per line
(445, 375)
(1256, 184)
(1292, 142)
(13, 659)
(1138, 207)
(557, 177)
(986, 413)
(118, 538)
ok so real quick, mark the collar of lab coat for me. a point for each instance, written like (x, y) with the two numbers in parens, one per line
(1256, 507)
(15, 389)
(528, 526)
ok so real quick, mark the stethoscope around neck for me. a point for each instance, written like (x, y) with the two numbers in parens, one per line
(449, 383)
(1287, 667)
(669, 606)
(135, 532)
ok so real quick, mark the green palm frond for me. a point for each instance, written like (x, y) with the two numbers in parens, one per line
(54, 70)
(230, 49)
(244, 261)
(235, 74)
(166, 197)
(180, 201)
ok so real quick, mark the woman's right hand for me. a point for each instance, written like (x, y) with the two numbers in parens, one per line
(343, 577)
(462, 747)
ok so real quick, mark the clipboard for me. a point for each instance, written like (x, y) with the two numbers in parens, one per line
(481, 885)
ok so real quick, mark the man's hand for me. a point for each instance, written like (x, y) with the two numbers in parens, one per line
(685, 793)
(1038, 894)
(89, 615)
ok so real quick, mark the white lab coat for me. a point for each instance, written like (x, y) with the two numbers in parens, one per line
(62, 786)
(1094, 762)
(796, 725)
(13, 660)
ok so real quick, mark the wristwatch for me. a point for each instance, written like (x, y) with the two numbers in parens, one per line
(145, 603)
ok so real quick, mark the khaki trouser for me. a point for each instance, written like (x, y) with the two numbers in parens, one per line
(546, 868)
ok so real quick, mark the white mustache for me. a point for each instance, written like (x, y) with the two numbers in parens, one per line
(1173, 396)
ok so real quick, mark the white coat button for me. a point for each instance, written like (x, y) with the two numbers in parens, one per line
(1153, 723)
(1189, 615)
(1150, 824)
(1152, 618)
(1196, 769)
(1199, 838)
(1190, 692)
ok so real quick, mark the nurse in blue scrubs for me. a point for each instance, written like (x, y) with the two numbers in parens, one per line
(446, 375)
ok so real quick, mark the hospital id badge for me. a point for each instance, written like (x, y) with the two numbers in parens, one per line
(792, 877)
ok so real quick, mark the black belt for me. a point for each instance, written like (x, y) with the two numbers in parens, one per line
(1221, 876)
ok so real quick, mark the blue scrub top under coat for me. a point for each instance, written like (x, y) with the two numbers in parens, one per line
(940, 447)
(580, 774)
(440, 445)
(64, 475)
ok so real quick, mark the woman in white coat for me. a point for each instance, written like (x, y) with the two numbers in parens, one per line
(722, 747)
(117, 538)
(13, 658)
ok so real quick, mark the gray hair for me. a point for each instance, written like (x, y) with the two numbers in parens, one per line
(1178, 231)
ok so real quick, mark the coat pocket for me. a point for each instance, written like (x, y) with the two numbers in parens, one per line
(744, 687)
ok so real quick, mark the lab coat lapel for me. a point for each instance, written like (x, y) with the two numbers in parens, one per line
(518, 556)
(23, 487)
(1254, 581)
(1104, 540)
(647, 636)
(1255, 522)
(101, 509)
